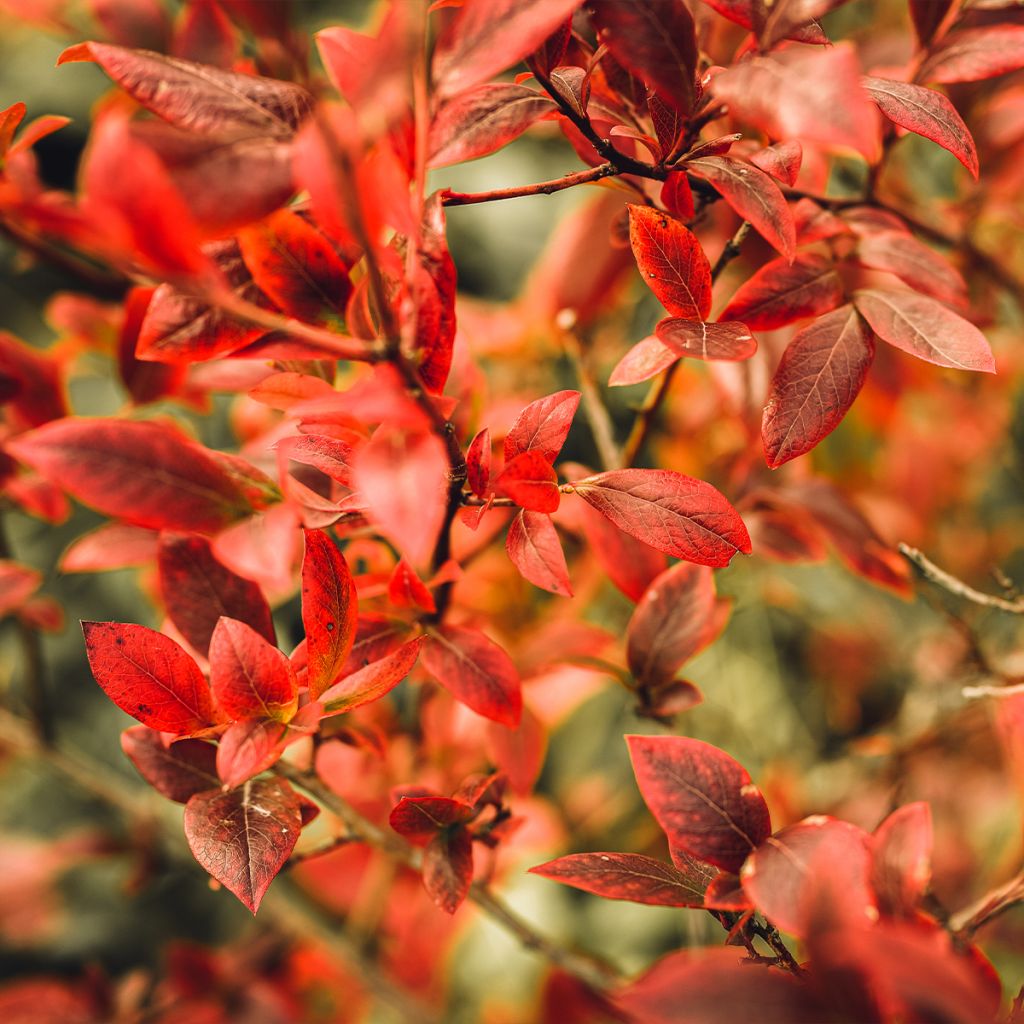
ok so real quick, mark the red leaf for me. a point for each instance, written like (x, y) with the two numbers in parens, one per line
(671, 261)
(371, 682)
(407, 590)
(731, 341)
(754, 196)
(530, 481)
(676, 514)
(111, 546)
(34, 379)
(781, 293)
(330, 610)
(534, 549)
(726, 893)
(976, 54)
(927, 15)
(248, 747)
(702, 798)
(811, 95)
(901, 867)
(403, 478)
(781, 161)
(819, 376)
(181, 328)
(519, 753)
(197, 590)
(435, 281)
(542, 426)
(420, 818)
(482, 120)
(328, 454)
(487, 36)
(17, 584)
(476, 671)
(136, 209)
(198, 97)
(628, 876)
(176, 770)
(147, 474)
(249, 677)
(701, 986)
(925, 328)
(776, 874)
(646, 359)
(928, 113)
(675, 620)
(656, 42)
(149, 676)
(914, 263)
(677, 196)
(448, 868)
(293, 263)
(478, 463)
(243, 838)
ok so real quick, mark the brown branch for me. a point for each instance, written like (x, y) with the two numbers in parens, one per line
(964, 923)
(644, 420)
(931, 572)
(540, 188)
(592, 972)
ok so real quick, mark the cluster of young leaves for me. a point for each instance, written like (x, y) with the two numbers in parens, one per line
(268, 234)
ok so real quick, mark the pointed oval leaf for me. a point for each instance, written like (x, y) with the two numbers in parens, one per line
(976, 54)
(244, 837)
(482, 120)
(925, 328)
(149, 676)
(197, 589)
(542, 426)
(530, 481)
(487, 36)
(175, 770)
(754, 196)
(671, 262)
(679, 515)
(448, 868)
(914, 263)
(901, 865)
(534, 549)
(781, 293)
(476, 671)
(330, 610)
(198, 97)
(373, 681)
(249, 677)
(782, 161)
(655, 42)
(674, 620)
(702, 798)
(248, 747)
(819, 376)
(420, 818)
(478, 463)
(925, 112)
(629, 876)
(144, 473)
(646, 359)
(293, 263)
(403, 478)
(777, 874)
(730, 341)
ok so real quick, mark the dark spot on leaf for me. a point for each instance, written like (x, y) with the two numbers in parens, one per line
(330, 627)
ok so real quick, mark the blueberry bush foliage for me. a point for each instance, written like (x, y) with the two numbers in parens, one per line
(468, 598)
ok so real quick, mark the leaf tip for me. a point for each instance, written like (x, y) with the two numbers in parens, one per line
(75, 54)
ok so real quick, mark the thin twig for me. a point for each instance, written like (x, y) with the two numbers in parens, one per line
(594, 408)
(964, 923)
(931, 572)
(541, 188)
(659, 389)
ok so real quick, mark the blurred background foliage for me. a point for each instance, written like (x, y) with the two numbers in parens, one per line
(836, 695)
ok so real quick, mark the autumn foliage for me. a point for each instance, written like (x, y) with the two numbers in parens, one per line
(399, 539)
